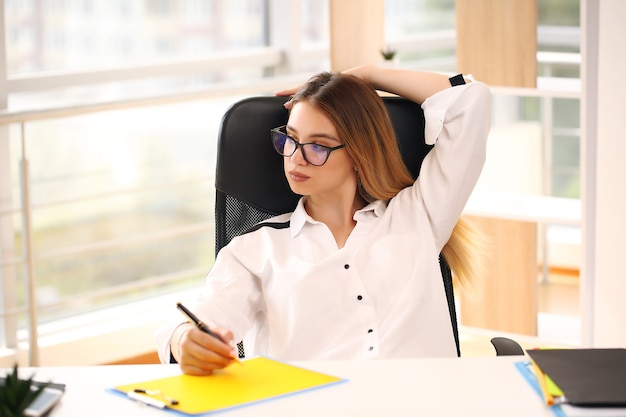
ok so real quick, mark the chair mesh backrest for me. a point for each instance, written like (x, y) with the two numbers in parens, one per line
(238, 217)
(250, 183)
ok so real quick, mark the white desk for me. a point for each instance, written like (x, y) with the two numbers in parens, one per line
(480, 387)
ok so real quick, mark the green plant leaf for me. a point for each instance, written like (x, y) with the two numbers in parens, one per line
(5, 412)
(16, 394)
(388, 54)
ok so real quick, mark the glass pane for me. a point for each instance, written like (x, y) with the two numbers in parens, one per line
(566, 152)
(530, 108)
(514, 162)
(566, 185)
(315, 22)
(566, 112)
(551, 69)
(558, 12)
(412, 18)
(70, 35)
(77, 283)
(404, 17)
(123, 204)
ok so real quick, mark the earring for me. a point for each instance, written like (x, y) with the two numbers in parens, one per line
(356, 169)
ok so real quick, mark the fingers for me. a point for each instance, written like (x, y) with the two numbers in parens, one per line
(224, 334)
(201, 354)
(287, 92)
(288, 104)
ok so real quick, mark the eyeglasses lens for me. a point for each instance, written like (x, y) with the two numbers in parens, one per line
(287, 146)
(315, 154)
(279, 139)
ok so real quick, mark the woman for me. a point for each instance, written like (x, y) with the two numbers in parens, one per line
(353, 272)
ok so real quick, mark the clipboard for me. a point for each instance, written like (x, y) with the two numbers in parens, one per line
(564, 409)
(260, 379)
(587, 377)
(525, 369)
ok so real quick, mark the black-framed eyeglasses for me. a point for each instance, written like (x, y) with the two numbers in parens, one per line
(313, 153)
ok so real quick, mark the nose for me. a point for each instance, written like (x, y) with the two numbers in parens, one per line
(298, 156)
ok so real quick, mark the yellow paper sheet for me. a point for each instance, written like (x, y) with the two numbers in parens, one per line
(259, 379)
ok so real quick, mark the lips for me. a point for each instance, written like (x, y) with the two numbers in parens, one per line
(297, 176)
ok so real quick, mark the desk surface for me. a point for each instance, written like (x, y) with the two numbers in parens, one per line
(480, 387)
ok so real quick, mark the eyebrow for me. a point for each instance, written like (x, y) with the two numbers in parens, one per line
(315, 135)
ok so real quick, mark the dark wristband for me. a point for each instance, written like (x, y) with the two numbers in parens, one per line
(457, 80)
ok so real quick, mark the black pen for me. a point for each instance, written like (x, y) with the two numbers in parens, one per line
(200, 325)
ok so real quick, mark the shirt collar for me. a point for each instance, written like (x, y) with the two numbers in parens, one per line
(299, 217)
(377, 208)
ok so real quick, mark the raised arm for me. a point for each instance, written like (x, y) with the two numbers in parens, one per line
(414, 85)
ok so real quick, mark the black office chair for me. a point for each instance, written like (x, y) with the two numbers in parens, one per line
(506, 347)
(250, 183)
(245, 153)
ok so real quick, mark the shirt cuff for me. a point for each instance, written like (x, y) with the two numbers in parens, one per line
(435, 108)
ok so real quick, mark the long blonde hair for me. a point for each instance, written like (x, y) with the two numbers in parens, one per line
(361, 119)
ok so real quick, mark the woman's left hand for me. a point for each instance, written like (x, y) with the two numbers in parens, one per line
(287, 93)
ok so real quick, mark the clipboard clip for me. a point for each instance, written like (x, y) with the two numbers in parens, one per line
(147, 397)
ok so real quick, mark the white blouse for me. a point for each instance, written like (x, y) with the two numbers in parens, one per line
(294, 295)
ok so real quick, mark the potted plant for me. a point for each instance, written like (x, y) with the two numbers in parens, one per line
(388, 54)
(389, 57)
(16, 394)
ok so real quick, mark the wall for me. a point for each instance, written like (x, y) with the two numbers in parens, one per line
(606, 273)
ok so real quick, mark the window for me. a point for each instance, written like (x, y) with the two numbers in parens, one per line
(429, 26)
(121, 201)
